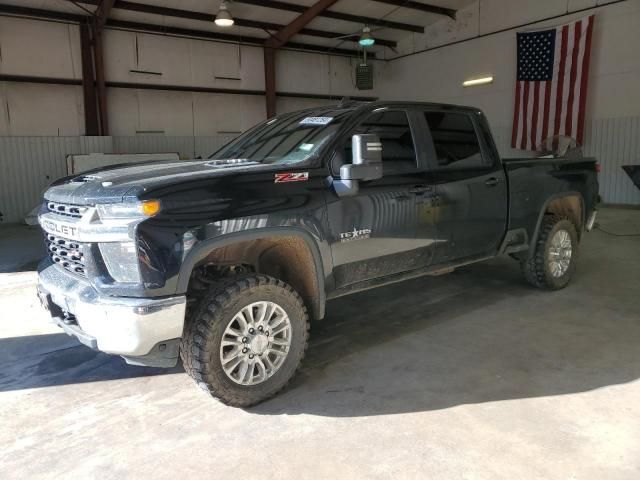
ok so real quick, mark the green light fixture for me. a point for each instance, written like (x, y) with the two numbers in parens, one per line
(366, 40)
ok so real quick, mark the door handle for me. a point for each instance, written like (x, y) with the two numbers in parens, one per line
(492, 182)
(418, 189)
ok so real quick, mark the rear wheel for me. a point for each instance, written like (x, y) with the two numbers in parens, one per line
(552, 263)
(246, 339)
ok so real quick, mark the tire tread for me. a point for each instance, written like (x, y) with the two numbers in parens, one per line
(198, 334)
(534, 268)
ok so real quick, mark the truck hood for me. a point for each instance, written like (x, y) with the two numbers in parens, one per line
(115, 183)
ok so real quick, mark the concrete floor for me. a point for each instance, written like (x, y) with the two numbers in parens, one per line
(473, 375)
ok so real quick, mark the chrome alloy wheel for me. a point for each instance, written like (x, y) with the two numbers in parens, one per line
(560, 253)
(255, 343)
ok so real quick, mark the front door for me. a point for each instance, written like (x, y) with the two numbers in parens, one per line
(373, 233)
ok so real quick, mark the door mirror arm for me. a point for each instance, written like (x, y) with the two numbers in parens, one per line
(366, 164)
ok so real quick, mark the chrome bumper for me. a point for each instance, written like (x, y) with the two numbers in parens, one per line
(117, 325)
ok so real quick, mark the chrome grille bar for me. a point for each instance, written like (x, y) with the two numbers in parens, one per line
(66, 209)
(67, 253)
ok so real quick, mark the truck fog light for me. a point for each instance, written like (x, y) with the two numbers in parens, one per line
(121, 260)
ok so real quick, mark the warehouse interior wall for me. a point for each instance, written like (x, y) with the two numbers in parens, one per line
(437, 73)
(482, 41)
(38, 48)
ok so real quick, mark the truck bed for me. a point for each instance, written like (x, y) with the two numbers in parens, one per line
(535, 182)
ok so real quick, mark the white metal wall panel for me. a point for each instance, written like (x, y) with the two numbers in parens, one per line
(27, 166)
(615, 142)
(140, 112)
(205, 146)
(183, 146)
(39, 109)
(45, 49)
(217, 114)
(168, 113)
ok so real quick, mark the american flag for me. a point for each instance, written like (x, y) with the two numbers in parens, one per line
(551, 86)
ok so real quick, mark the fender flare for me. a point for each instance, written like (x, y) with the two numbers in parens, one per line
(202, 249)
(556, 196)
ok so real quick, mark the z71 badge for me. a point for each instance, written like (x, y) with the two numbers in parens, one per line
(292, 177)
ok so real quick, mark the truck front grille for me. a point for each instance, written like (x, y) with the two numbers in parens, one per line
(67, 253)
(68, 210)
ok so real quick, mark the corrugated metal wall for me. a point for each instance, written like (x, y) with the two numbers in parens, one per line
(615, 142)
(29, 164)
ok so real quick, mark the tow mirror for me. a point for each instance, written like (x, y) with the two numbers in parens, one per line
(366, 164)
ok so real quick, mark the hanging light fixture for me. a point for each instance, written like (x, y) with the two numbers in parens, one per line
(224, 18)
(366, 40)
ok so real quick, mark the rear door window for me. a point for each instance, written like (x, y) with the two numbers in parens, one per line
(455, 141)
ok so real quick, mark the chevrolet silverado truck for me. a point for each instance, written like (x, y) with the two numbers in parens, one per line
(225, 261)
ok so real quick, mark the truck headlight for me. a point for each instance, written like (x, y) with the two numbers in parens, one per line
(121, 260)
(147, 208)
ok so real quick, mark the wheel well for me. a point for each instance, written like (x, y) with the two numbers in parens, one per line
(287, 258)
(570, 207)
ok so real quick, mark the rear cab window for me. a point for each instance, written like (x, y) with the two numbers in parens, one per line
(455, 141)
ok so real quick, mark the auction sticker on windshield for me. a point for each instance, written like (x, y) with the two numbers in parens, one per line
(316, 121)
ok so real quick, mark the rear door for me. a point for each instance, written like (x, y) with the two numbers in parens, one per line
(373, 233)
(470, 185)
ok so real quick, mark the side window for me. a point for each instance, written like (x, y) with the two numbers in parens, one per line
(455, 140)
(398, 150)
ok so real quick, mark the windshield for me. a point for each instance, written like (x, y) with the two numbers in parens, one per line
(287, 139)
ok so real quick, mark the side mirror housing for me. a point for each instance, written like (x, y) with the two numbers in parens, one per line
(366, 164)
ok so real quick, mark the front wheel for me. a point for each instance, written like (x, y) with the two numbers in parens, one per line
(246, 339)
(552, 263)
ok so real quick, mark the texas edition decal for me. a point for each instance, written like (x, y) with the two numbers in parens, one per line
(292, 177)
(355, 234)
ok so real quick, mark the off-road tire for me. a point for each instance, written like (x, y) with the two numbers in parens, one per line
(200, 346)
(536, 267)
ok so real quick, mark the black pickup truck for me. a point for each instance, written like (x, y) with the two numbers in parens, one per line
(225, 261)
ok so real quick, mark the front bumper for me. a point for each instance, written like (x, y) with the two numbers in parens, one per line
(131, 327)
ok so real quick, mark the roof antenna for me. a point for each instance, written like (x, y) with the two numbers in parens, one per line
(344, 101)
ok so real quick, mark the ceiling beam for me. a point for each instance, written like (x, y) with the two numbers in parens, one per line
(173, 88)
(347, 17)
(278, 40)
(103, 12)
(165, 30)
(100, 19)
(241, 22)
(41, 13)
(90, 104)
(298, 23)
(228, 37)
(313, 32)
(423, 7)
